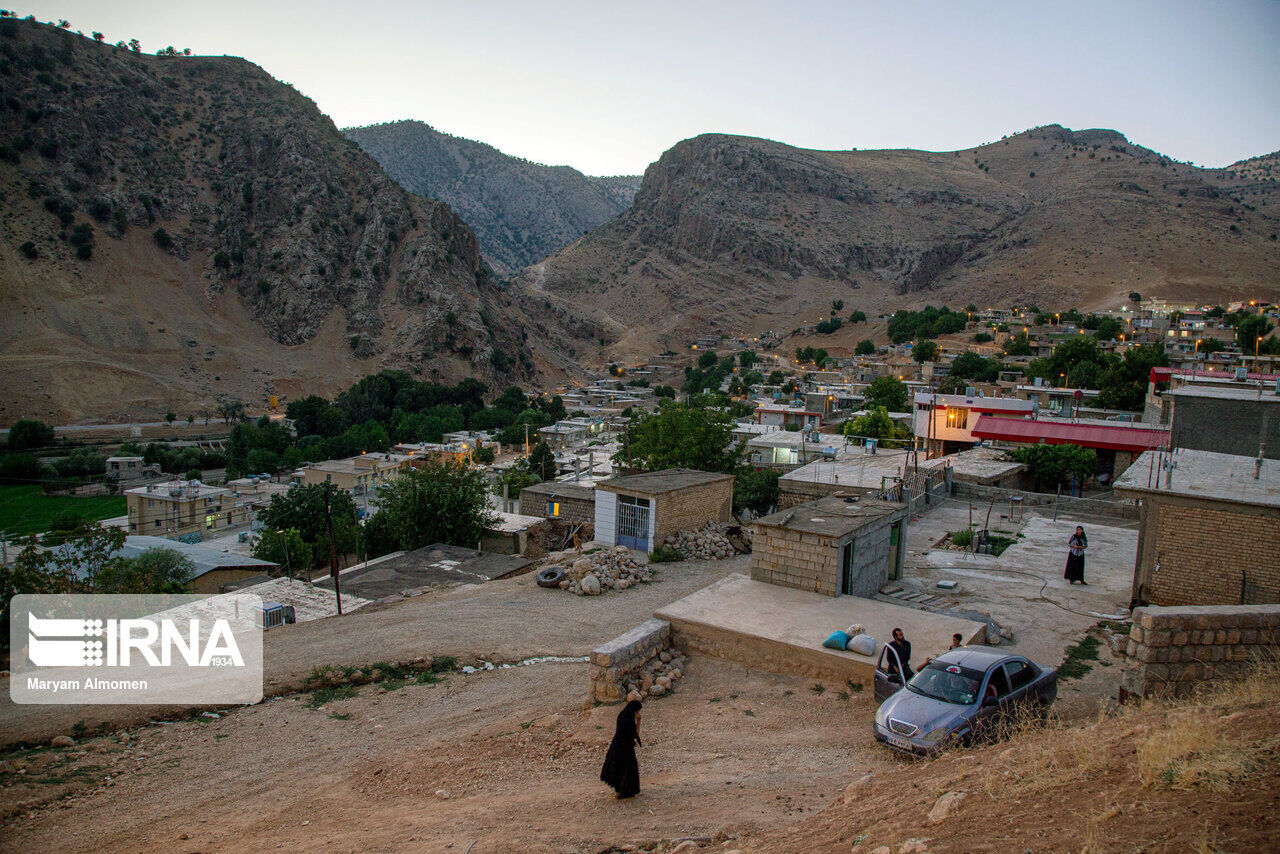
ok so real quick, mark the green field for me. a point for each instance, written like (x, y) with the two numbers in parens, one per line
(26, 510)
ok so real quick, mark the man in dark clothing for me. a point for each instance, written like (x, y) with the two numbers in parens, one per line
(621, 770)
(902, 647)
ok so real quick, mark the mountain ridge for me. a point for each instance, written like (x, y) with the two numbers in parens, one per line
(521, 210)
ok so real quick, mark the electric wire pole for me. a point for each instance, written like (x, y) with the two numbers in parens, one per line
(333, 555)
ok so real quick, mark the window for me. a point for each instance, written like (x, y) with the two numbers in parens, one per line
(133, 526)
(957, 419)
(210, 521)
(1020, 673)
(157, 523)
(999, 682)
(553, 508)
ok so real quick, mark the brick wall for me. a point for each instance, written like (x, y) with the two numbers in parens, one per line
(812, 562)
(611, 662)
(572, 510)
(691, 508)
(1206, 556)
(1172, 650)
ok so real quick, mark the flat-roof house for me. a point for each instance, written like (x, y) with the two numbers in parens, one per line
(945, 422)
(834, 546)
(571, 502)
(1209, 528)
(183, 507)
(641, 510)
(358, 475)
(213, 568)
(778, 415)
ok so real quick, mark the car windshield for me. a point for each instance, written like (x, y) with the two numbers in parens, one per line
(947, 682)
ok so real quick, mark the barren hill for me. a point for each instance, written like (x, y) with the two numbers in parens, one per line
(733, 233)
(178, 229)
(521, 211)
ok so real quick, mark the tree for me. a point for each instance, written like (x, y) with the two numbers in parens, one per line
(888, 392)
(1018, 345)
(135, 45)
(154, 571)
(1108, 329)
(1123, 385)
(858, 316)
(514, 479)
(1055, 465)
(951, 384)
(231, 410)
(302, 507)
(680, 436)
(170, 416)
(756, 491)
(925, 351)
(707, 360)
(191, 419)
(837, 305)
(542, 461)
(664, 391)
(32, 571)
(1249, 328)
(98, 37)
(747, 358)
(969, 365)
(876, 424)
(438, 503)
(865, 347)
(29, 433)
(286, 548)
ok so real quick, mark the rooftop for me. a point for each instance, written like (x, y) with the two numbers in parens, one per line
(204, 558)
(1204, 474)
(1233, 391)
(561, 490)
(181, 489)
(832, 516)
(866, 470)
(667, 480)
(976, 464)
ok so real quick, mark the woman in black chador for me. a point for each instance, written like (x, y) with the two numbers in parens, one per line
(1075, 556)
(621, 771)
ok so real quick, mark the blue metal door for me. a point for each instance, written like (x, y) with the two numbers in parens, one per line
(633, 522)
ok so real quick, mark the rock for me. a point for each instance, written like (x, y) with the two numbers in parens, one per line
(591, 585)
(687, 845)
(580, 567)
(674, 673)
(443, 794)
(993, 634)
(914, 846)
(622, 550)
(664, 656)
(636, 696)
(945, 806)
(62, 741)
(657, 690)
(851, 791)
(883, 849)
(564, 584)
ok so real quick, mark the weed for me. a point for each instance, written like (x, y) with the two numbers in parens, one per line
(749, 713)
(78, 730)
(1076, 662)
(220, 736)
(714, 700)
(329, 693)
(788, 693)
(817, 688)
(665, 554)
(340, 716)
(842, 695)
(855, 687)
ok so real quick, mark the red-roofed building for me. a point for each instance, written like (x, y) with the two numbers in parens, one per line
(1118, 443)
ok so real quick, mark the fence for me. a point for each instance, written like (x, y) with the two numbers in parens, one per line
(1061, 503)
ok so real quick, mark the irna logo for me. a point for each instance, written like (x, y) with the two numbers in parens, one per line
(129, 642)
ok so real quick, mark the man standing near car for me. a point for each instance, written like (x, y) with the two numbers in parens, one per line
(902, 647)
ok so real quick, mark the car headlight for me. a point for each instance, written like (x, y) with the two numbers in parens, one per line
(934, 736)
(880, 716)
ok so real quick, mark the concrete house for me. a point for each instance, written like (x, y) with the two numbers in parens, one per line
(835, 546)
(1209, 528)
(571, 502)
(641, 510)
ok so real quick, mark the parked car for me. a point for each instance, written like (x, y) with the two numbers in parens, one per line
(956, 697)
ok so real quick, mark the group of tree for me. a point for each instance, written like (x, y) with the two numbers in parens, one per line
(815, 355)
(1052, 466)
(85, 558)
(1080, 363)
(877, 424)
(889, 393)
(930, 322)
(713, 373)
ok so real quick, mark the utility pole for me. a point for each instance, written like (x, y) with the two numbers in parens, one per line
(333, 555)
(526, 440)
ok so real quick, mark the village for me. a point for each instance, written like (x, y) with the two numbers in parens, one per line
(691, 531)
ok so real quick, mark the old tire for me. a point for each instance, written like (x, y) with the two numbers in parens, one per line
(551, 576)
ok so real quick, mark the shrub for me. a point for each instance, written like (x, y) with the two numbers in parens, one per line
(29, 250)
(665, 554)
(962, 538)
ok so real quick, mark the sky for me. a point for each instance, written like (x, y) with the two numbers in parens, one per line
(606, 87)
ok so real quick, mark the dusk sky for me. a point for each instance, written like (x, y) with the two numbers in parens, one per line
(607, 87)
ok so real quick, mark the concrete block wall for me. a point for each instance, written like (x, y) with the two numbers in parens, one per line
(795, 559)
(1173, 650)
(691, 508)
(1204, 555)
(572, 510)
(793, 492)
(611, 662)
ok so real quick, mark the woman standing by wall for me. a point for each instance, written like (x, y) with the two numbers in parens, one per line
(1075, 556)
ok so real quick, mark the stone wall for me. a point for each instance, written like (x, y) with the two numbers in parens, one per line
(1172, 650)
(690, 508)
(612, 662)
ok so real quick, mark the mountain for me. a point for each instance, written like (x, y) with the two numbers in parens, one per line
(735, 234)
(174, 230)
(521, 211)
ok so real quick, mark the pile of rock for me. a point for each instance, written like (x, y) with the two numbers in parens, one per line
(709, 543)
(607, 569)
(656, 677)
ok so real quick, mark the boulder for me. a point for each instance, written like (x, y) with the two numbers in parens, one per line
(944, 807)
(63, 741)
(590, 585)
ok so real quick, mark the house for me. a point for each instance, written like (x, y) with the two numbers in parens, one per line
(130, 468)
(357, 475)
(901, 473)
(780, 415)
(179, 508)
(944, 423)
(1209, 528)
(213, 568)
(641, 510)
(836, 546)
(1118, 443)
(572, 502)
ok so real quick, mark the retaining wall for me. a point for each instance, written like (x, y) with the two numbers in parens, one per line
(611, 662)
(1066, 503)
(1173, 650)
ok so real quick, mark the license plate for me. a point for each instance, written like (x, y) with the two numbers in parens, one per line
(900, 743)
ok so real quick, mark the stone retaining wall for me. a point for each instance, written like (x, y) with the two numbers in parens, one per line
(1172, 650)
(625, 654)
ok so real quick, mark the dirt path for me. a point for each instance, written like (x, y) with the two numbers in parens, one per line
(733, 751)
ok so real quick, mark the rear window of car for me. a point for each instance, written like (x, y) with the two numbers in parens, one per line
(948, 682)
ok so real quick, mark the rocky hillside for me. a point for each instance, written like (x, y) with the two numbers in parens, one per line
(735, 234)
(174, 230)
(521, 211)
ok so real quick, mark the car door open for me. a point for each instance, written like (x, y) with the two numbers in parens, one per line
(888, 679)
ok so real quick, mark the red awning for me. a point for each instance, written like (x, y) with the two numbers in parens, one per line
(1133, 439)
